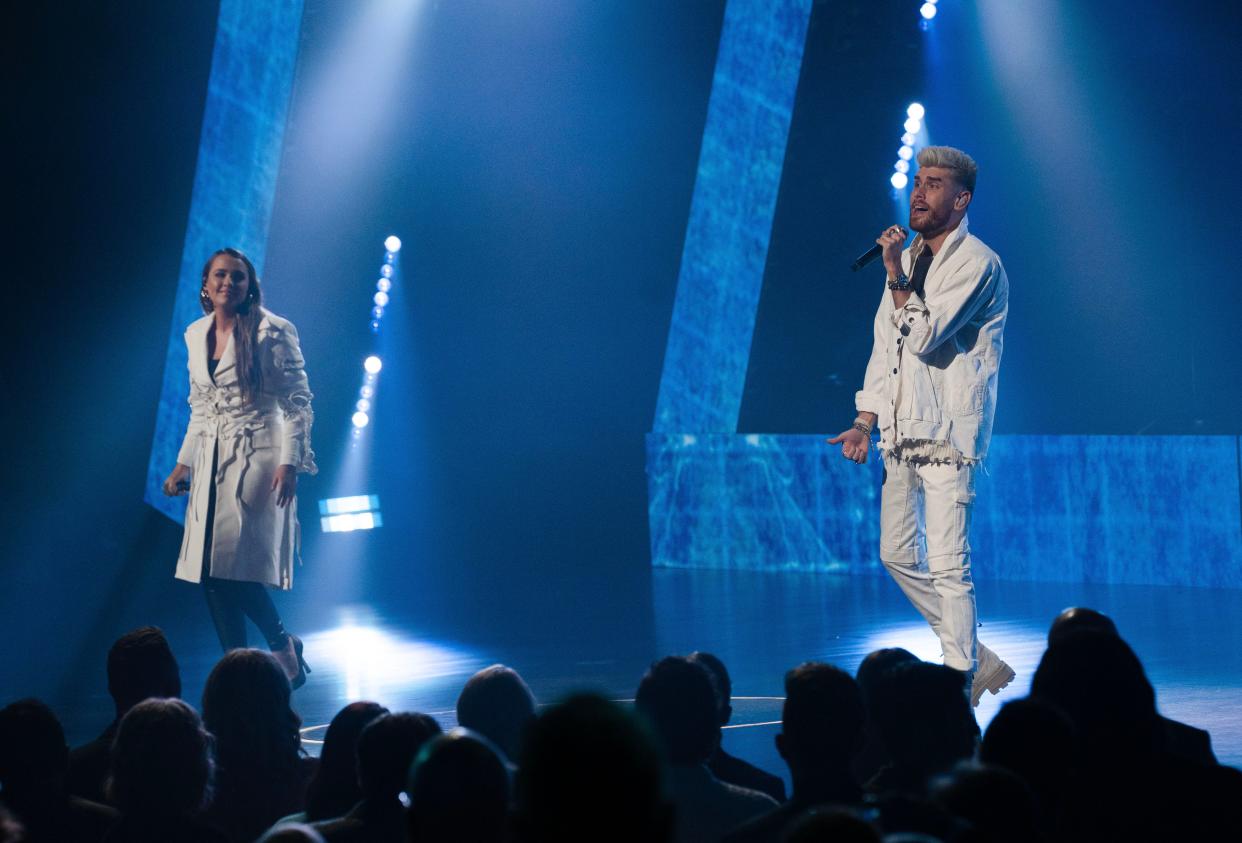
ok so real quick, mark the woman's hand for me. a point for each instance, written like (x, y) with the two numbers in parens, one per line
(177, 482)
(285, 484)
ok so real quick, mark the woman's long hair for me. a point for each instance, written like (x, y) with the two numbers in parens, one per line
(334, 790)
(245, 328)
(246, 706)
(161, 761)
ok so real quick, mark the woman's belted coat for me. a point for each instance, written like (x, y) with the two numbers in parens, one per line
(252, 538)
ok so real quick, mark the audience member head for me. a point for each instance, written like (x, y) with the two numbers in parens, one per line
(161, 761)
(590, 770)
(1098, 681)
(11, 830)
(831, 825)
(291, 833)
(458, 789)
(822, 720)
(387, 747)
(678, 697)
(924, 718)
(334, 790)
(724, 684)
(141, 665)
(246, 707)
(33, 754)
(876, 664)
(1036, 741)
(995, 801)
(497, 704)
(1079, 619)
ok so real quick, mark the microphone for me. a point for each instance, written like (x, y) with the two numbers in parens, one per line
(871, 254)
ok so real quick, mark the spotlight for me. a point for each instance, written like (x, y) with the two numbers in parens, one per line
(367, 391)
(899, 180)
(908, 139)
(373, 364)
(912, 126)
(915, 110)
(363, 405)
(375, 326)
(381, 298)
(905, 153)
(928, 11)
(383, 285)
(386, 271)
(392, 243)
(360, 419)
(902, 166)
(377, 312)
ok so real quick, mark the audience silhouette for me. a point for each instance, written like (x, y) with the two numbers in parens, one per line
(261, 771)
(334, 790)
(821, 731)
(160, 775)
(140, 665)
(386, 749)
(724, 766)
(590, 770)
(458, 790)
(497, 704)
(33, 761)
(678, 698)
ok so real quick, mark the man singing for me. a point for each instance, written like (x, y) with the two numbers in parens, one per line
(930, 387)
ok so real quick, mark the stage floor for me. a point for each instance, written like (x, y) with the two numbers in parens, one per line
(759, 623)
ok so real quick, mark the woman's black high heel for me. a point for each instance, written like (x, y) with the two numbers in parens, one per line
(290, 658)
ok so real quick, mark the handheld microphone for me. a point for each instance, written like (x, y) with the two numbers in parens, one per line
(870, 255)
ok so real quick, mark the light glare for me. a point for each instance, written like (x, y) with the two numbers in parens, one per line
(392, 243)
(913, 126)
(381, 299)
(902, 166)
(373, 364)
(905, 153)
(928, 11)
(899, 180)
(360, 419)
(915, 110)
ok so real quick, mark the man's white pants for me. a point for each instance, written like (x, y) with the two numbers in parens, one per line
(924, 544)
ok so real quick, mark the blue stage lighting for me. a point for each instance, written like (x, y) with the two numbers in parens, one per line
(360, 419)
(383, 285)
(902, 166)
(363, 405)
(915, 110)
(381, 298)
(373, 364)
(375, 325)
(367, 391)
(899, 180)
(386, 270)
(928, 11)
(377, 313)
(355, 512)
(905, 153)
(908, 139)
(392, 243)
(912, 125)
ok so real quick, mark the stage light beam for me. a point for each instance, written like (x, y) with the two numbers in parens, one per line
(373, 365)
(392, 243)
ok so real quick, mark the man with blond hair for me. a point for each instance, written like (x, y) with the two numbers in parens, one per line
(930, 391)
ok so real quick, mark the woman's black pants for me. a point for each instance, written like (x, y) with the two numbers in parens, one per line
(232, 601)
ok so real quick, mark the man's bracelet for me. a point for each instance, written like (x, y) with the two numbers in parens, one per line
(861, 425)
(901, 283)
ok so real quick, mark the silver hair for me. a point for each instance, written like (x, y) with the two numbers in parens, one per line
(962, 166)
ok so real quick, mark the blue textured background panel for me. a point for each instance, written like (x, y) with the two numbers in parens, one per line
(234, 182)
(1112, 509)
(726, 247)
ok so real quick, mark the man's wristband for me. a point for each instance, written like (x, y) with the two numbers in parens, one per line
(861, 425)
(901, 283)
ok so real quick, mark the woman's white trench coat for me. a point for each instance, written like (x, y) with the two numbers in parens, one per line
(252, 538)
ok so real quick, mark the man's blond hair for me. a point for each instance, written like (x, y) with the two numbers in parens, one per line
(961, 165)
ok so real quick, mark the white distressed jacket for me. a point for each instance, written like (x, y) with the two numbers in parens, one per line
(934, 363)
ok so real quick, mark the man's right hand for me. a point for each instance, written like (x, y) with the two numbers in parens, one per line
(854, 444)
(175, 484)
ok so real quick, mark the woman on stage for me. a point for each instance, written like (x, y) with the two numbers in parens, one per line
(248, 437)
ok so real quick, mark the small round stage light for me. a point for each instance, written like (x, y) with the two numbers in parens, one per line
(375, 326)
(913, 126)
(392, 243)
(915, 110)
(899, 180)
(383, 285)
(373, 364)
(928, 11)
(908, 139)
(381, 299)
(363, 405)
(366, 391)
(377, 312)
(902, 166)
(361, 419)
(905, 153)
(386, 271)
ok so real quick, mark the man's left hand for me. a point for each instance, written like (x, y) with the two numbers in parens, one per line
(285, 484)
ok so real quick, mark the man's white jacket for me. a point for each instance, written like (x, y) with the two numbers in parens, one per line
(934, 363)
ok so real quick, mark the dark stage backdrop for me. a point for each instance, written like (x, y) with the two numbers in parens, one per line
(538, 160)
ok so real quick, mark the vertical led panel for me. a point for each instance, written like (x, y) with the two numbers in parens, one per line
(731, 211)
(239, 150)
